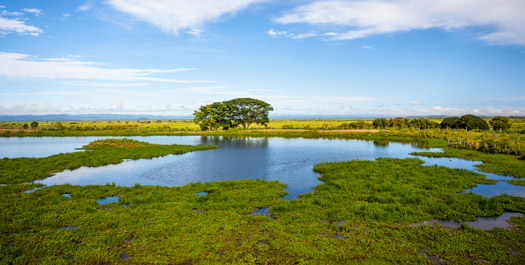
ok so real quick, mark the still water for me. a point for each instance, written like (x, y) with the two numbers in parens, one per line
(290, 161)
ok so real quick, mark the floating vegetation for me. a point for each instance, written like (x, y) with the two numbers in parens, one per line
(361, 213)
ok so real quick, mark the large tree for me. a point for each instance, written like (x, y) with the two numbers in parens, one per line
(449, 122)
(500, 123)
(34, 125)
(212, 116)
(398, 122)
(471, 122)
(380, 123)
(245, 111)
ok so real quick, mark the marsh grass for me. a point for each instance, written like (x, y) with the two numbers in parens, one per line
(377, 200)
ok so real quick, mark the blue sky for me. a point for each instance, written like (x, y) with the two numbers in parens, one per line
(353, 58)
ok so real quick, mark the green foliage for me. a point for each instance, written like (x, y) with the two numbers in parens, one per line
(449, 122)
(471, 122)
(422, 124)
(230, 114)
(245, 111)
(380, 123)
(34, 125)
(500, 123)
(212, 116)
(112, 143)
(398, 122)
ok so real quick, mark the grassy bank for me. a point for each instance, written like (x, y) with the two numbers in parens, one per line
(362, 213)
(98, 153)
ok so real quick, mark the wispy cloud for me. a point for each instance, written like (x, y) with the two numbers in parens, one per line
(13, 14)
(95, 84)
(415, 103)
(85, 7)
(15, 25)
(367, 18)
(116, 108)
(34, 11)
(16, 65)
(273, 33)
(176, 15)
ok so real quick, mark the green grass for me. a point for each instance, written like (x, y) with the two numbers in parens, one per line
(377, 200)
(98, 153)
(519, 182)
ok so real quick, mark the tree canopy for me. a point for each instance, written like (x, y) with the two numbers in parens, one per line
(212, 116)
(500, 123)
(468, 122)
(34, 125)
(380, 123)
(449, 122)
(232, 113)
(471, 122)
(245, 111)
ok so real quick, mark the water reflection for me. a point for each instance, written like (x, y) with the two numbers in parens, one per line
(288, 160)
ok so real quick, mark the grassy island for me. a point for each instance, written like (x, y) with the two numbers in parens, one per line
(97, 153)
(367, 212)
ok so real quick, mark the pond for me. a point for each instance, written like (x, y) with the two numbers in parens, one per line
(288, 160)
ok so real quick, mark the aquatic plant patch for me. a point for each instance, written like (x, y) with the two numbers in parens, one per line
(360, 214)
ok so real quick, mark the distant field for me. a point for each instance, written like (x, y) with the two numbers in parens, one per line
(189, 125)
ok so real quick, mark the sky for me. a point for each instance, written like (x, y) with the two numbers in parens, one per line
(306, 58)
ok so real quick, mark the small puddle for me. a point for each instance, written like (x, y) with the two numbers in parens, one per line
(107, 200)
(69, 227)
(262, 212)
(67, 195)
(33, 190)
(338, 225)
(201, 193)
(483, 223)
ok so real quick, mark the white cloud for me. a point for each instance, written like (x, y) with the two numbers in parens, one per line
(415, 103)
(16, 65)
(64, 16)
(7, 13)
(85, 7)
(14, 25)
(367, 47)
(174, 15)
(115, 108)
(274, 33)
(366, 18)
(34, 11)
